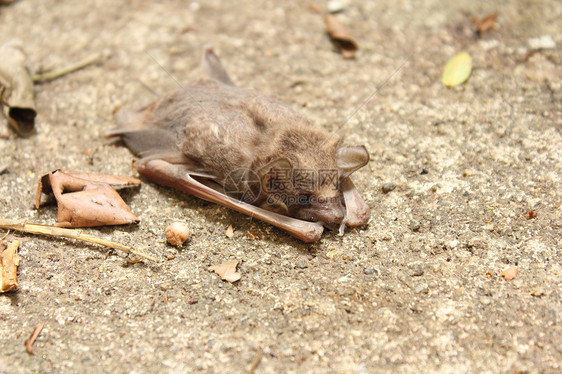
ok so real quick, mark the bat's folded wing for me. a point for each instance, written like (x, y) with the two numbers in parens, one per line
(180, 177)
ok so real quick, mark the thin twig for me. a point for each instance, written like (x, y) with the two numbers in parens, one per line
(256, 361)
(54, 74)
(29, 341)
(47, 230)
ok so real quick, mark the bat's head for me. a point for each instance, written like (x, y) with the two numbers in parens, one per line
(305, 182)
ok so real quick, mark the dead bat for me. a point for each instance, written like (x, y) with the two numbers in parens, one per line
(247, 151)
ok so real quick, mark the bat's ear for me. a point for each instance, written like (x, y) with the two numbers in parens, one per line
(276, 177)
(212, 67)
(350, 159)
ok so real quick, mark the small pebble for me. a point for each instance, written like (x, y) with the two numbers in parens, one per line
(414, 226)
(422, 288)
(336, 6)
(387, 187)
(485, 300)
(538, 292)
(417, 271)
(302, 265)
(177, 233)
(541, 42)
(405, 278)
(369, 271)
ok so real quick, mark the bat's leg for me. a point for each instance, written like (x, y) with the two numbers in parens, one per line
(357, 212)
(178, 176)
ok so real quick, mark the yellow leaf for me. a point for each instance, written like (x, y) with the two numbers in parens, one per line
(457, 70)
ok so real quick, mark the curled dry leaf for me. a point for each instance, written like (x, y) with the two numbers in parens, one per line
(227, 271)
(340, 36)
(177, 233)
(9, 261)
(16, 88)
(509, 273)
(229, 232)
(457, 70)
(87, 199)
(485, 24)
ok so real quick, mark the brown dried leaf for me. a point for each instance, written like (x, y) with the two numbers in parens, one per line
(9, 261)
(227, 271)
(340, 36)
(87, 199)
(16, 88)
(530, 214)
(486, 23)
(229, 232)
(509, 273)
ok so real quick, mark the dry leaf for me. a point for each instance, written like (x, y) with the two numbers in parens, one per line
(229, 232)
(87, 199)
(339, 35)
(227, 271)
(509, 273)
(530, 214)
(9, 261)
(457, 70)
(16, 87)
(486, 23)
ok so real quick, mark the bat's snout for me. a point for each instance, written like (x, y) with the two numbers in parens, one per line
(330, 212)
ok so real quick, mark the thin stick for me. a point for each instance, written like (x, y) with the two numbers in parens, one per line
(256, 361)
(29, 341)
(54, 74)
(47, 230)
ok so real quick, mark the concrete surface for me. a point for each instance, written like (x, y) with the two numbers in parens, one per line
(417, 290)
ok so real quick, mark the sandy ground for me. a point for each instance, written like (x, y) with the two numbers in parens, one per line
(416, 290)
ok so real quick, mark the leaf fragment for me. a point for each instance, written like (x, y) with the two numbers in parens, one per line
(227, 271)
(229, 233)
(341, 37)
(509, 274)
(9, 261)
(457, 70)
(485, 24)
